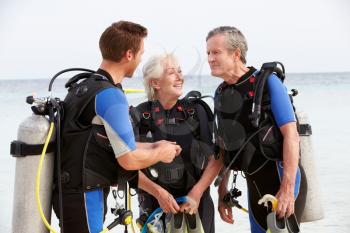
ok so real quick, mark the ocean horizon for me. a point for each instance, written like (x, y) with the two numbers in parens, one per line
(323, 96)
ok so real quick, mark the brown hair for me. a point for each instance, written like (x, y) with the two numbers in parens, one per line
(119, 38)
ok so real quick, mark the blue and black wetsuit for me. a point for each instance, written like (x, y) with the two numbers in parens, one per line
(268, 179)
(233, 104)
(96, 130)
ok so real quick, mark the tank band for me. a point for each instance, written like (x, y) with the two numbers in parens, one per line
(21, 149)
(305, 130)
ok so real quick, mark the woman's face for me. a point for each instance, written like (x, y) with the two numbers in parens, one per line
(171, 82)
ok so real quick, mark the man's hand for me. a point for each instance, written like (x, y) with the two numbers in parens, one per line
(286, 201)
(160, 142)
(224, 210)
(167, 150)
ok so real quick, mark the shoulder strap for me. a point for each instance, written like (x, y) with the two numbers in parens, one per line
(266, 70)
(135, 121)
(145, 117)
(220, 88)
(82, 93)
(193, 99)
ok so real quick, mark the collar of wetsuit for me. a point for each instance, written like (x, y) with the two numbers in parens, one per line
(249, 73)
(109, 77)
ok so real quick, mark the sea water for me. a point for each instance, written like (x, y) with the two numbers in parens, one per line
(325, 98)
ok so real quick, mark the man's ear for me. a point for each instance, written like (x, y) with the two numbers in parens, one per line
(155, 84)
(236, 54)
(129, 55)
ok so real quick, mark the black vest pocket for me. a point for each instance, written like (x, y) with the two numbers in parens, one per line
(99, 162)
(271, 142)
(93, 180)
(101, 139)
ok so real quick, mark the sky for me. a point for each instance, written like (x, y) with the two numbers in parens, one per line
(38, 38)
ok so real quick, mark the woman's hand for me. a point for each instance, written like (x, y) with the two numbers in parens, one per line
(192, 204)
(167, 202)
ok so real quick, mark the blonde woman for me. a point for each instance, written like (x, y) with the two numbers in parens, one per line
(166, 117)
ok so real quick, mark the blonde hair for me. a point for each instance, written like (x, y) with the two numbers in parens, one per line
(154, 69)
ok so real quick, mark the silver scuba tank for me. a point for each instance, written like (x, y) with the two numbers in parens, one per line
(25, 217)
(32, 134)
(310, 196)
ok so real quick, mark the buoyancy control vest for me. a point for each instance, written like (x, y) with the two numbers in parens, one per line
(245, 108)
(233, 108)
(182, 125)
(88, 160)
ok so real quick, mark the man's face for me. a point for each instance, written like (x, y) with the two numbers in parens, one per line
(136, 60)
(220, 59)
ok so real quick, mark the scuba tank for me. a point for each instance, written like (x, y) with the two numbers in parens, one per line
(309, 186)
(32, 131)
(32, 200)
(32, 197)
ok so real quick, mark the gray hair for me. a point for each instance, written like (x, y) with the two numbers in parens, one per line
(154, 69)
(234, 39)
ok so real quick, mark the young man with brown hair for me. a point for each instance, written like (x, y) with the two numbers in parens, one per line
(98, 144)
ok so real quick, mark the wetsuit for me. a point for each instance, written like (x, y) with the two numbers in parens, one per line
(96, 131)
(263, 174)
(187, 168)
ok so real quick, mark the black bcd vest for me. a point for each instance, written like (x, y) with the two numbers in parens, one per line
(180, 124)
(87, 158)
(233, 106)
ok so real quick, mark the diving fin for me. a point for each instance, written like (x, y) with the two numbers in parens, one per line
(276, 225)
(194, 223)
(292, 224)
(177, 224)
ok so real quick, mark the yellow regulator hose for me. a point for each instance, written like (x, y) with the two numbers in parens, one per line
(37, 190)
(129, 208)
